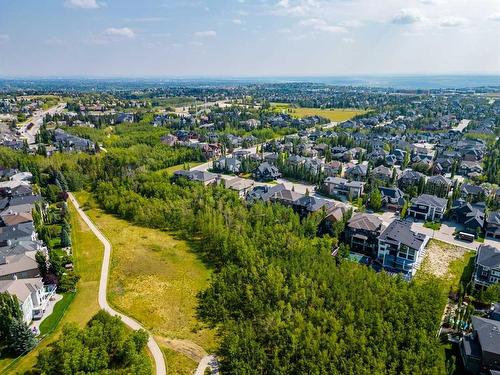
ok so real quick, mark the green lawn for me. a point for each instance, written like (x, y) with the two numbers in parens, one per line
(155, 279)
(334, 114)
(51, 322)
(174, 168)
(435, 225)
(87, 259)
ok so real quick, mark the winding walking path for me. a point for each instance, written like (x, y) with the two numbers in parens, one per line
(103, 284)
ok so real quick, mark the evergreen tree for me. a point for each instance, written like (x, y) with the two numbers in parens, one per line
(22, 339)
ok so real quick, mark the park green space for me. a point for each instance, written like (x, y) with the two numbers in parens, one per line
(332, 114)
(155, 278)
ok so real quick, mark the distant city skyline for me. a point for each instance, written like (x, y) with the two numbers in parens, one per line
(244, 38)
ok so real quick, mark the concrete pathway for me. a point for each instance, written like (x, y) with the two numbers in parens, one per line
(48, 311)
(207, 361)
(103, 284)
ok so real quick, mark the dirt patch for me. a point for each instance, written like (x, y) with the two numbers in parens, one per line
(185, 347)
(439, 256)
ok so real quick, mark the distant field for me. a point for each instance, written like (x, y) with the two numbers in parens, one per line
(155, 278)
(336, 114)
(87, 257)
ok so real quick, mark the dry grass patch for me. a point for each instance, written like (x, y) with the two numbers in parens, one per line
(154, 278)
(446, 262)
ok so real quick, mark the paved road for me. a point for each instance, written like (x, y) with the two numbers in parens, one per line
(37, 120)
(103, 284)
(207, 361)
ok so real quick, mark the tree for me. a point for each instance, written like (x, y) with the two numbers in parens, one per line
(9, 312)
(404, 209)
(41, 259)
(22, 339)
(376, 199)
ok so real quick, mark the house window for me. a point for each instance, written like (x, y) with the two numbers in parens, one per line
(406, 253)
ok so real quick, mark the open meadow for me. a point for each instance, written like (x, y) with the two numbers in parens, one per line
(155, 278)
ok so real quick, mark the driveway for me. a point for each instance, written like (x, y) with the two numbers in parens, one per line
(445, 234)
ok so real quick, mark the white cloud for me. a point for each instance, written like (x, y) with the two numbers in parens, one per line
(124, 32)
(4, 38)
(82, 4)
(205, 34)
(237, 21)
(495, 17)
(318, 24)
(452, 21)
(348, 40)
(407, 17)
(196, 44)
(296, 8)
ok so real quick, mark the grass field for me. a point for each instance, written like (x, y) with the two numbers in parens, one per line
(87, 251)
(155, 278)
(51, 322)
(336, 114)
(178, 364)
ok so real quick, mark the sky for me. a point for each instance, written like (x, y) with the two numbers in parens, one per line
(242, 38)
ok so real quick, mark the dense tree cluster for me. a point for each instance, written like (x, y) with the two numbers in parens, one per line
(105, 345)
(282, 303)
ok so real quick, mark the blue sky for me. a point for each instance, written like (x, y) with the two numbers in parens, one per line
(248, 37)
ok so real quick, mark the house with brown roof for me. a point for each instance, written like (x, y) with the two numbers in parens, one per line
(362, 232)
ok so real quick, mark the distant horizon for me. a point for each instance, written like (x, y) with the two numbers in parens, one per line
(394, 81)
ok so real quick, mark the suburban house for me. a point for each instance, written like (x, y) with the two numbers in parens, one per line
(409, 178)
(334, 168)
(400, 249)
(392, 198)
(335, 214)
(357, 172)
(472, 193)
(266, 172)
(16, 233)
(342, 187)
(72, 142)
(486, 266)
(438, 185)
(307, 204)
(362, 232)
(468, 167)
(32, 295)
(264, 193)
(241, 185)
(20, 266)
(206, 178)
(382, 173)
(286, 197)
(470, 215)
(427, 207)
(493, 225)
(480, 349)
(229, 165)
